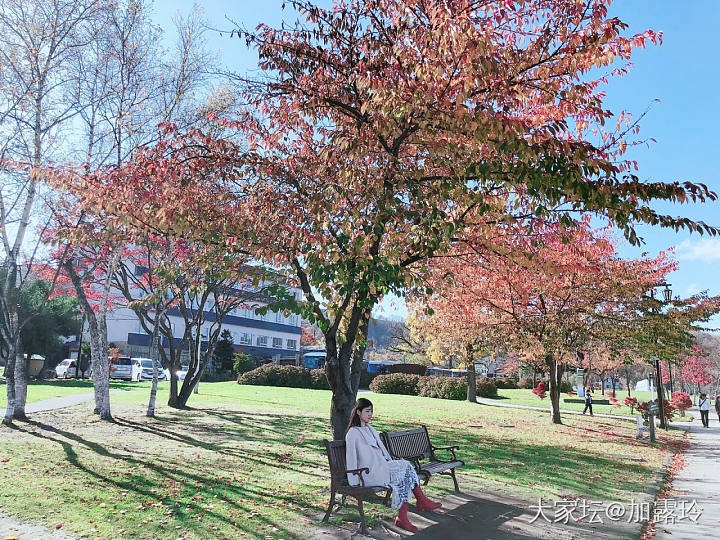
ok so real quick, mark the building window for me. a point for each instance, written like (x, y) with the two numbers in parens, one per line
(245, 338)
(291, 343)
(261, 341)
(277, 343)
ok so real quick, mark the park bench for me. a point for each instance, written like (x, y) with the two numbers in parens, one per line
(414, 445)
(339, 484)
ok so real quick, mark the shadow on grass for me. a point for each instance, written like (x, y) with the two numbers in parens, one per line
(151, 488)
(294, 442)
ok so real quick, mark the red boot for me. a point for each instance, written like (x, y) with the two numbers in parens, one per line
(423, 503)
(402, 520)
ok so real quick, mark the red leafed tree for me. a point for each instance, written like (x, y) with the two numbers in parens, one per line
(696, 368)
(376, 128)
(545, 291)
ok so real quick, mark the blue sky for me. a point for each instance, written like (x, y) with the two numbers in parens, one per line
(682, 74)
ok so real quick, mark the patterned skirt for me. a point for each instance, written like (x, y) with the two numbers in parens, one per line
(403, 479)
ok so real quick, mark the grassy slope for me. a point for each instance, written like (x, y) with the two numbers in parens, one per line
(249, 461)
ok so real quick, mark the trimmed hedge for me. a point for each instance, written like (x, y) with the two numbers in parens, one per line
(275, 375)
(486, 387)
(432, 386)
(396, 383)
(435, 386)
(505, 383)
(319, 379)
(526, 383)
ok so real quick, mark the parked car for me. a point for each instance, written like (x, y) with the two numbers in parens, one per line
(121, 368)
(180, 373)
(142, 370)
(66, 369)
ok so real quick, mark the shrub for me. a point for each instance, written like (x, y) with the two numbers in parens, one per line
(505, 383)
(242, 363)
(442, 387)
(275, 375)
(632, 403)
(486, 387)
(565, 386)
(681, 401)
(668, 409)
(539, 390)
(319, 379)
(396, 383)
(526, 383)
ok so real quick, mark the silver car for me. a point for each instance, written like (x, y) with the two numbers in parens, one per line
(121, 368)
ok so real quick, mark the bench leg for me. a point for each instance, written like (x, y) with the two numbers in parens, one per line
(330, 506)
(363, 525)
(452, 473)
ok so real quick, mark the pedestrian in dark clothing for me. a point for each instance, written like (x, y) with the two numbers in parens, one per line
(588, 402)
(704, 406)
(717, 407)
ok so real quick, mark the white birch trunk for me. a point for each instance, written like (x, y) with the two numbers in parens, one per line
(10, 382)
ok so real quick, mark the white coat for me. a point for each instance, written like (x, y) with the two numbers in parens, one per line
(364, 448)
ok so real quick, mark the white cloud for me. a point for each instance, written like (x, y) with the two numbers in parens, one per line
(704, 249)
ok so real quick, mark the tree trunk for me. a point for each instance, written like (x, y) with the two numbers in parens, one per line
(627, 381)
(10, 382)
(100, 364)
(154, 355)
(21, 382)
(556, 372)
(471, 376)
(343, 368)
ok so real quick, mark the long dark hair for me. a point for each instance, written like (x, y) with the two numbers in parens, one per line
(361, 404)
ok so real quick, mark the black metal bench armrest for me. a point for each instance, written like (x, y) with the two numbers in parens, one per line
(358, 472)
(451, 449)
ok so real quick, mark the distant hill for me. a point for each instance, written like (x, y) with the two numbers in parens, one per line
(381, 332)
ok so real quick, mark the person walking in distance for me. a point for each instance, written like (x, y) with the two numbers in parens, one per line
(704, 406)
(588, 401)
(717, 407)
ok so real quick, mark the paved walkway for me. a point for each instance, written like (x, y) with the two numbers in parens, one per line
(60, 402)
(12, 528)
(698, 483)
(472, 515)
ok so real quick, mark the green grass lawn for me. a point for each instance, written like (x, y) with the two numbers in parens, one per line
(248, 461)
(526, 397)
(39, 390)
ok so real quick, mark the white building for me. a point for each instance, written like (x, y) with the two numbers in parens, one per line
(272, 336)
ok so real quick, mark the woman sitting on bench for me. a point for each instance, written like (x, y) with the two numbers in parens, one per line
(365, 449)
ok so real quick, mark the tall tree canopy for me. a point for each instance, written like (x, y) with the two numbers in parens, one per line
(378, 128)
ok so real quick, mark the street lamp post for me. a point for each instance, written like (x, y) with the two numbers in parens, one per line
(667, 297)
